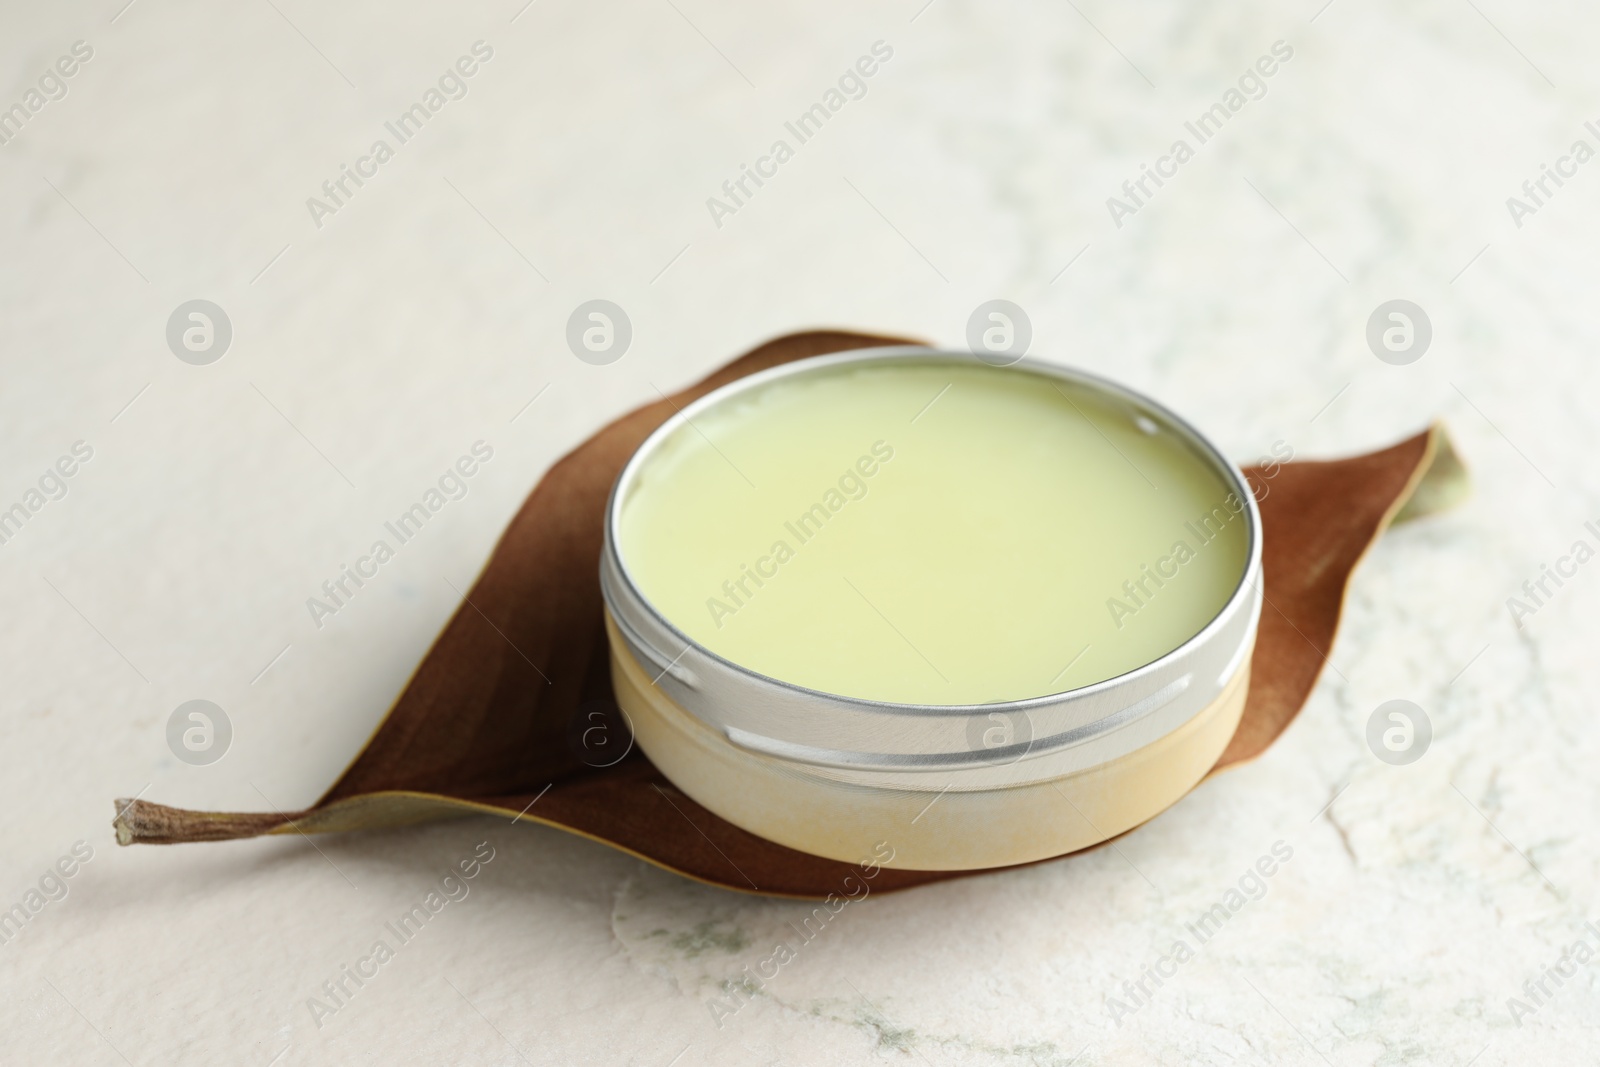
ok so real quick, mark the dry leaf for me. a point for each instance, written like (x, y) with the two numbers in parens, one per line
(487, 721)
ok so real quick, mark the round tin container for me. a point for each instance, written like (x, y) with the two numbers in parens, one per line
(843, 777)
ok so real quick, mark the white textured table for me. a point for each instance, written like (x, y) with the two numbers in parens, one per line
(429, 307)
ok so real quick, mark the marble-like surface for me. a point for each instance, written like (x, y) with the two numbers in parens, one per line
(428, 311)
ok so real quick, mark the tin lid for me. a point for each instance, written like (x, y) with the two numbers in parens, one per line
(972, 746)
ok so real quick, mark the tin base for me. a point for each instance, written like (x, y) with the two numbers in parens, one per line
(931, 825)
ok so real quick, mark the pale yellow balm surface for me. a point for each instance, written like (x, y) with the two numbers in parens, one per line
(932, 533)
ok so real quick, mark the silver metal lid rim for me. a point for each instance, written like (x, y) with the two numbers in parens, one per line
(846, 736)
